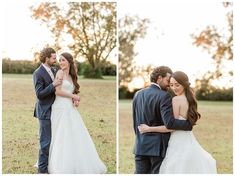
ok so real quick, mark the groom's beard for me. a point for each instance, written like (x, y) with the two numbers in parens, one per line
(52, 64)
(167, 88)
(164, 87)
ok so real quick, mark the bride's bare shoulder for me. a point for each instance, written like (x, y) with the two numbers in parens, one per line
(179, 99)
(176, 98)
(59, 74)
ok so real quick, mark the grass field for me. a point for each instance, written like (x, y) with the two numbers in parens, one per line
(20, 128)
(214, 132)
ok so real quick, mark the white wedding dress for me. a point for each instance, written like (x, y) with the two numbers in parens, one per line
(72, 150)
(186, 156)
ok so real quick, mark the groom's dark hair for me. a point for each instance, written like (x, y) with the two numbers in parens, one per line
(46, 52)
(159, 71)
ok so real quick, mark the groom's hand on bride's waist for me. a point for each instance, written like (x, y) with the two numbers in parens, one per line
(76, 97)
(76, 100)
(76, 103)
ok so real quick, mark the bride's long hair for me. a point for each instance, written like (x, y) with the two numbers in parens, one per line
(72, 71)
(192, 114)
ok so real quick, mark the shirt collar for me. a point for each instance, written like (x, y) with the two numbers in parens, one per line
(46, 67)
(156, 85)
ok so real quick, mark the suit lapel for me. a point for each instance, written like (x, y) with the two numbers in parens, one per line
(46, 74)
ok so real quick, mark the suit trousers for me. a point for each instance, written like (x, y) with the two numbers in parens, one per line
(45, 140)
(147, 164)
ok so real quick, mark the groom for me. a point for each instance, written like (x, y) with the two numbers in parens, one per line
(153, 106)
(45, 83)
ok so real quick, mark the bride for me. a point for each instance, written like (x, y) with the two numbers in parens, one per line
(72, 150)
(184, 154)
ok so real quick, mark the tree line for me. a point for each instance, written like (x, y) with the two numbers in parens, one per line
(28, 67)
(216, 41)
(204, 93)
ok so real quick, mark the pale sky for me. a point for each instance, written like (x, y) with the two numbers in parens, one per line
(22, 35)
(168, 40)
(21, 32)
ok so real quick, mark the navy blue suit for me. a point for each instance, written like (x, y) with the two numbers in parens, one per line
(45, 92)
(153, 106)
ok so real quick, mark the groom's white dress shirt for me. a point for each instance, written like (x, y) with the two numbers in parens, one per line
(48, 69)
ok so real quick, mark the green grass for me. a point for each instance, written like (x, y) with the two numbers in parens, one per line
(20, 128)
(214, 132)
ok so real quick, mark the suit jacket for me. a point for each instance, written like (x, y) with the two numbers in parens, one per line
(153, 106)
(45, 92)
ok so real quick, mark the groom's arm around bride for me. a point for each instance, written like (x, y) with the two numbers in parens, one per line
(167, 116)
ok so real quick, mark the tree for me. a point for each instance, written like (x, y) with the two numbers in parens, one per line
(218, 44)
(90, 25)
(130, 30)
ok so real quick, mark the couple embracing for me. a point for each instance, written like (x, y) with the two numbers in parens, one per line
(164, 141)
(65, 144)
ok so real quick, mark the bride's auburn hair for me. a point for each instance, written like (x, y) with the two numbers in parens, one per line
(183, 80)
(72, 71)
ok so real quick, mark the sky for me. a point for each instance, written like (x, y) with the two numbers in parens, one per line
(21, 32)
(168, 41)
(22, 35)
